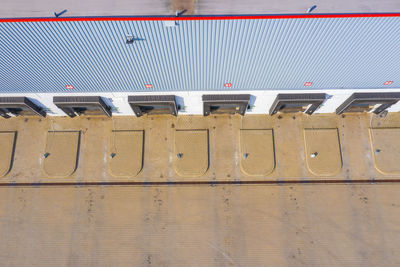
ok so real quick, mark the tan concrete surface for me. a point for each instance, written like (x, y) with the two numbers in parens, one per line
(323, 152)
(225, 156)
(61, 153)
(257, 152)
(222, 225)
(346, 223)
(126, 153)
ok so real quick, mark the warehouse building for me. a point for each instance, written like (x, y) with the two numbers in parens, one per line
(190, 60)
(199, 133)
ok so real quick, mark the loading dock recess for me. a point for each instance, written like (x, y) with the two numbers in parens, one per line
(225, 104)
(306, 103)
(19, 106)
(82, 105)
(359, 102)
(153, 104)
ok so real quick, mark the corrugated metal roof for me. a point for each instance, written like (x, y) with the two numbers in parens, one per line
(199, 54)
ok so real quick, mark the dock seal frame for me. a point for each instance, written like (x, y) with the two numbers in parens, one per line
(313, 99)
(139, 101)
(18, 102)
(68, 103)
(240, 100)
(385, 99)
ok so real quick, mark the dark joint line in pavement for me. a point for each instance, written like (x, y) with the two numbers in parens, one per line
(211, 183)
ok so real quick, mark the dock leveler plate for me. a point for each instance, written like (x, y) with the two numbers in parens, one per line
(191, 153)
(323, 151)
(61, 153)
(385, 147)
(126, 153)
(7, 149)
(257, 151)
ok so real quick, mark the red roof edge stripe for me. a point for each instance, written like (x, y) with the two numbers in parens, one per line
(222, 17)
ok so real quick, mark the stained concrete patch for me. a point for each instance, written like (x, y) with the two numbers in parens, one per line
(257, 152)
(385, 144)
(7, 147)
(126, 153)
(61, 154)
(191, 152)
(323, 152)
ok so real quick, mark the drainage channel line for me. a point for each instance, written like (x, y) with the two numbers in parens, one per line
(210, 183)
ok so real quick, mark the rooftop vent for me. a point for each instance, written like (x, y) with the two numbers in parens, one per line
(130, 39)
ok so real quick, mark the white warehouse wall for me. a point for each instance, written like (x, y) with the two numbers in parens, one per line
(192, 104)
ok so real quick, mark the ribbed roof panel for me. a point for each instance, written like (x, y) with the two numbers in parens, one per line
(258, 54)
